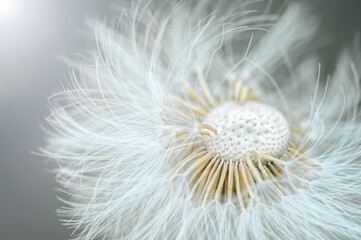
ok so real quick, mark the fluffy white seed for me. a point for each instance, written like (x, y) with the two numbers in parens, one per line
(110, 136)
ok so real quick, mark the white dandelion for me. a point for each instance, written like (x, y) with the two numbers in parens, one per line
(206, 120)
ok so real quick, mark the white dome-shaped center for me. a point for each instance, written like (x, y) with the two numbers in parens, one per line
(245, 128)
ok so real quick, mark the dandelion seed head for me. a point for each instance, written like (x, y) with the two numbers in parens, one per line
(208, 120)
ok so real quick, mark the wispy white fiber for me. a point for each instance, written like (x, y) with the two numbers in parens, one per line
(108, 126)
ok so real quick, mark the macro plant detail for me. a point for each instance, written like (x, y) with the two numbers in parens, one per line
(208, 120)
(231, 143)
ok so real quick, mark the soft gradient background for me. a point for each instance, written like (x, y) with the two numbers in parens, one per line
(33, 34)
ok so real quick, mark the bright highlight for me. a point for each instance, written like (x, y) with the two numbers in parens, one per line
(7, 8)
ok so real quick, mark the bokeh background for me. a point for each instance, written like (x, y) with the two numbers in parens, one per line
(33, 35)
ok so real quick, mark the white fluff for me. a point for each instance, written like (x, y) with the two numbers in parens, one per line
(107, 126)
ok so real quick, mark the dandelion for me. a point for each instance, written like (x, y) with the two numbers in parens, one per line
(206, 120)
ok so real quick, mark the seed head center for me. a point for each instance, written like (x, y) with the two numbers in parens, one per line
(242, 129)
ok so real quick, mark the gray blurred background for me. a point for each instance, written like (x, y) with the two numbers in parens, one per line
(33, 34)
